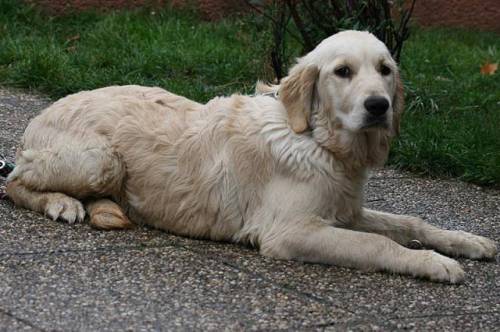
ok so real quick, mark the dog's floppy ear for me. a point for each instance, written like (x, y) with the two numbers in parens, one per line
(397, 105)
(297, 93)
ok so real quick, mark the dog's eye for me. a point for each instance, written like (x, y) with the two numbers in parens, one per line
(384, 70)
(343, 72)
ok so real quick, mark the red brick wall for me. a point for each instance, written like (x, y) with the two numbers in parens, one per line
(480, 14)
(211, 9)
(216, 9)
(64, 6)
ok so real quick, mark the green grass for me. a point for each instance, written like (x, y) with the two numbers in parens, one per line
(452, 121)
(171, 49)
(451, 126)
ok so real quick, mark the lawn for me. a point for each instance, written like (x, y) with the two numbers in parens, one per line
(451, 127)
(171, 49)
(452, 121)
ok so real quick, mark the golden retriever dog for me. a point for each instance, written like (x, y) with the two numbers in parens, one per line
(283, 171)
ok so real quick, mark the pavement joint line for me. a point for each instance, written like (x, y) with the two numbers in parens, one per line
(285, 288)
(89, 250)
(22, 320)
(455, 314)
(356, 322)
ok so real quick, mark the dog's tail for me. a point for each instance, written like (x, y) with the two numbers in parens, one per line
(263, 88)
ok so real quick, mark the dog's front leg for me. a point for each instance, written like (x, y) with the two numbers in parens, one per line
(314, 240)
(404, 229)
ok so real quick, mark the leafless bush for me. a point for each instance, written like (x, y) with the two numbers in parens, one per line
(310, 21)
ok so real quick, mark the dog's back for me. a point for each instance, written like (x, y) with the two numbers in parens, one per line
(99, 112)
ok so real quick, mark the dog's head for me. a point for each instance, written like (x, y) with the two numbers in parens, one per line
(347, 87)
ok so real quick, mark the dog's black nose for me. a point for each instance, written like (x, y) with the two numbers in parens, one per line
(376, 105)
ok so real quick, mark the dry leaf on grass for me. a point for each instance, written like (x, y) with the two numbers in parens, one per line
(489, 68)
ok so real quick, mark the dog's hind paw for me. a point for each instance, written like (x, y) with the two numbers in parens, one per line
(107, 215)
(62, 207)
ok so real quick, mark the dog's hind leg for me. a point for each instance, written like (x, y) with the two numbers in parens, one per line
(103, 213)
(53, 205)
(57, 170)
(66, 163)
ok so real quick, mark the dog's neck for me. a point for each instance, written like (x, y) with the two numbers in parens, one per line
(357, 152)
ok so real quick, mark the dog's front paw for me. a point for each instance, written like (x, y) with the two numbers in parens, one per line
(460, 243)
(437, 267)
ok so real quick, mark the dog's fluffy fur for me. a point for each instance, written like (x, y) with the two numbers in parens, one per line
(284, 174)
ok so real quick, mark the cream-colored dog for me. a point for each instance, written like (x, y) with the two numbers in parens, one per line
(282, 172)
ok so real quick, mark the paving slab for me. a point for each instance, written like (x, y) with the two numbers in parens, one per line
(150, 289)
(59, 277)
(373, 295)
